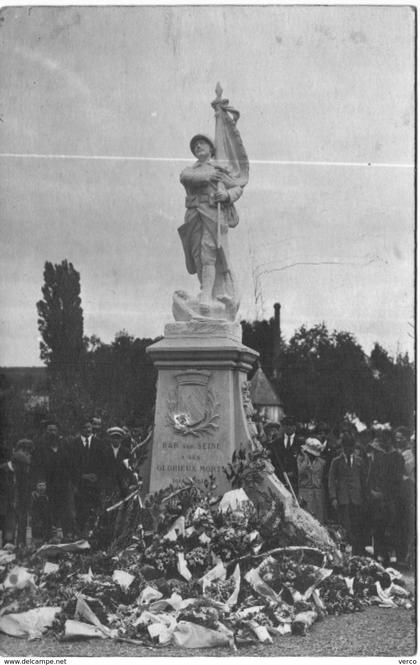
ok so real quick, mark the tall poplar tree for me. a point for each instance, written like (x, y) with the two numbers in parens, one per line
(60, 319)
(60, 322)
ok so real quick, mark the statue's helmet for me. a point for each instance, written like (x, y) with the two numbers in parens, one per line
(202, 137)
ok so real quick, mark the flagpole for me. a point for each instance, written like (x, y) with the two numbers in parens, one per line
(218, 222)
(216, 106)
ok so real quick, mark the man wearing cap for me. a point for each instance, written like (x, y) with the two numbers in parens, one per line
(208, 185)
(118, 473)
(119, 481)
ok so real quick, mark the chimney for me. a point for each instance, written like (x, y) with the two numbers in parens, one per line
(276, 341)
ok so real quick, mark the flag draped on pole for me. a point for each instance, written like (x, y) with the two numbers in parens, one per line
(230, 151)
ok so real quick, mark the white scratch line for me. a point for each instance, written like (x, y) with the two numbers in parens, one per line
(121, 158)
(368, 164)
(317, 263)
(118, 158)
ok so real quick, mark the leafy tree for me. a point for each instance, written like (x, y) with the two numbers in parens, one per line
(404, 394)
(121, 379)
(394, 387)
(260, 335)
(306, 352)
(60, 320)
(326, 374)
(16, 420)
(380, 360)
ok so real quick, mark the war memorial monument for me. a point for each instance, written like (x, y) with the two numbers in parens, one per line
(201, 361)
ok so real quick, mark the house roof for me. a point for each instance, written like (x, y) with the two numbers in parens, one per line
(262, 392)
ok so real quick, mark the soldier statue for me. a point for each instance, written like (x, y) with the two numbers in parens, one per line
(212, 185)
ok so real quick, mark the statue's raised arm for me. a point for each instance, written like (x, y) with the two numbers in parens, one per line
(212, 186)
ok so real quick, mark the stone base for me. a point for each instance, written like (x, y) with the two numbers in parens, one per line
(208, 330)
(199, 416)
(186, 307)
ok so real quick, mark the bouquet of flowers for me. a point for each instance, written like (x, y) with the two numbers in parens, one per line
(229, 543)
(124, 620)
(287, 572)
(337, 598)
(203, 521)
(163, 555)
(198, 559)
(203, 615)
(220, 590)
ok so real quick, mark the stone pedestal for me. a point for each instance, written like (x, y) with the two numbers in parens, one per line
(199, 417)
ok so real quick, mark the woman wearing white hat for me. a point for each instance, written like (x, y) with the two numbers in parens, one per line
(311, 470)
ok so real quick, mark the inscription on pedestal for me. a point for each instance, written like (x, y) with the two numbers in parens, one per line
(198, 459)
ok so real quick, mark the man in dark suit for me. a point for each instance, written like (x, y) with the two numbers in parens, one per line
(330, 450)
(52, 467)
(88, 465)
(385, 481)
(284, 450)
(347, 490)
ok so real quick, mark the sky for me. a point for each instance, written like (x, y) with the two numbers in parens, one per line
(97, 110)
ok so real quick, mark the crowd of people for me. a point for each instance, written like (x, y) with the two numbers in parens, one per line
(56, 488)
(362, 482)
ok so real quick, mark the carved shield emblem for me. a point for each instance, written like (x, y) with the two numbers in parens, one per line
(192, 400)
(192, 405)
